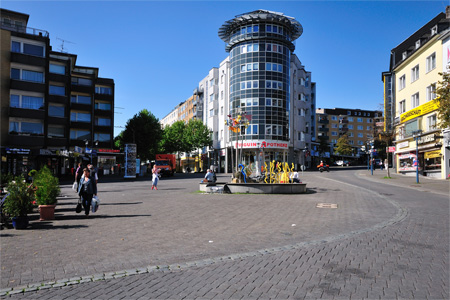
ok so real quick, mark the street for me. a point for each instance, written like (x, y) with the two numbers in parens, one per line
(383, 241)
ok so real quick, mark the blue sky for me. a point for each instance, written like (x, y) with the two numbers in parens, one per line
(158, 51)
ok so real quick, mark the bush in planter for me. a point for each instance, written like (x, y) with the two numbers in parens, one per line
(47, 187)
(20, 198)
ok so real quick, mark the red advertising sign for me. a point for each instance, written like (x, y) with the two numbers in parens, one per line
(391, 148)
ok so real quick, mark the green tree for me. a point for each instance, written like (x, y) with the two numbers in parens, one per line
(198, 135)
(443, 97)
(145, 131)
(343, 147)
(174, 138)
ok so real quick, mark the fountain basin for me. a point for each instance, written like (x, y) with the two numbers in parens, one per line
(266, 188)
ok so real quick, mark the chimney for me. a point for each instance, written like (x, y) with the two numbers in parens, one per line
(447, 12)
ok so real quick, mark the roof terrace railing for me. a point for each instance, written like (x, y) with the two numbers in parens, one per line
(20, 28)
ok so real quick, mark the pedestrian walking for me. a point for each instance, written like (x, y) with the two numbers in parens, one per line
(87, 189)
(155, 177)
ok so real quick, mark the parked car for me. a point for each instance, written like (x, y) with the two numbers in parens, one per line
(343, 163)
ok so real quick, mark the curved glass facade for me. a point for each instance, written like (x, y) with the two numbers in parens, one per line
(260, 50)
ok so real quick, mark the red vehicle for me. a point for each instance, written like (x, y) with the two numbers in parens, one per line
(166, 163)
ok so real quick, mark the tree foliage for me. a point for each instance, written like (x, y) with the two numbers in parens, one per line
(343, 147)
(198, 135)
(145, 131)
(174, 138)
(443, 97)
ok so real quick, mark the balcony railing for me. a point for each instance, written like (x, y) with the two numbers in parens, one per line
(20, 28)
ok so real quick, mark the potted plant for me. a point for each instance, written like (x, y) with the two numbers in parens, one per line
(18, 203)
(47, 189)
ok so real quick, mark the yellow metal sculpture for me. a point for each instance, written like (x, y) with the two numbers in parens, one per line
(281, 175)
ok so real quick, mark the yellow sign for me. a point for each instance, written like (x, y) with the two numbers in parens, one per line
(419, 111)
(432, 154)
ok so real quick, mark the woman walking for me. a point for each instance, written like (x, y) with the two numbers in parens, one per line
(87, 189)
(155, 177)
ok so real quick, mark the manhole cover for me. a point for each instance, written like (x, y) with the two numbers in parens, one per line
(326, 205)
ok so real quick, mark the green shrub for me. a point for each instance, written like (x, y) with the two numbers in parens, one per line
(20, 198)
(47, 187)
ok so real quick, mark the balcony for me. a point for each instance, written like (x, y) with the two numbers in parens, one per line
(26, 140)
(27, 86)
(57, 99)
(323, 121)
(83, 89)
(26, 113)
(80, 125)
(22, 29)
(28, 59)
(343, 121)
(324, 129)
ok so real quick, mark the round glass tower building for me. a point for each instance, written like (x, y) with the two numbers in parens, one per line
(260, 44)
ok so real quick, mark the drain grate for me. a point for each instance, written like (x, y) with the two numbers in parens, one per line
(326, 205)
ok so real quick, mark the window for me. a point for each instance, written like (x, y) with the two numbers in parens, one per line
(27, 75)
(334, 125)
(23, 126)
(251, 84)
(334, 133)
(415, 73)
(360, 127)
(81, 81)
(102, 137)
(415, 100)
(359, 120)
(57, 90)
(251, 129)
(369, 128)
(350, 126)
(80, 99)
(274, 48)
(274, 102)
(102, 105)
(360, 135)
(431, 92)
(401, 83)
(431, 123)
(360, 143)
(434, 30)
(404, 55)
(211, 112)
(350, 119)
(211, 97)
(221, 110)
(103, 90)
(56, 131)
(76, 116)
(102, 121)
(56, 110)
(417, 44)
(29, 49)
(431, 62)
(351, 142)
(369, 121)
(401, 133)
(334, 118)
(57, 69)
(402, 107)
(78, 134)
(274, 67)
(28, 102)
(272, 84)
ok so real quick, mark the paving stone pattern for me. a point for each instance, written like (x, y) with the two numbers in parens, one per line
(384, 244)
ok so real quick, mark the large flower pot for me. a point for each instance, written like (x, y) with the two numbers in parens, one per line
(20, 222)
(47, 212)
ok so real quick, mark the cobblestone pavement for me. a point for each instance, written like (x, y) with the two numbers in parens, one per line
(381, 242)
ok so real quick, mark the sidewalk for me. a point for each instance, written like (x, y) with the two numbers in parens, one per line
(426, 184)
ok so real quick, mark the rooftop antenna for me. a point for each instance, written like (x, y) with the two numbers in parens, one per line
(62, 44)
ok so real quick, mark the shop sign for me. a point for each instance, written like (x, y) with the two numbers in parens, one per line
(18, 151)
(263, 144)
(63, 153)
(402, 145)
(391, 149)
(432, 154)
(108, 150)
(426, 139)
(45, 152)
(419, 111)
(407, 156)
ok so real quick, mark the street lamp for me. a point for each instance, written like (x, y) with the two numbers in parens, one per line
(417, 135)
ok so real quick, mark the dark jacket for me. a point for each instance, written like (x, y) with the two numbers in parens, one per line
(91, 187)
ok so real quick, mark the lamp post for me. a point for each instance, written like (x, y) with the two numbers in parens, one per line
(371, 158)
(417, 136)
